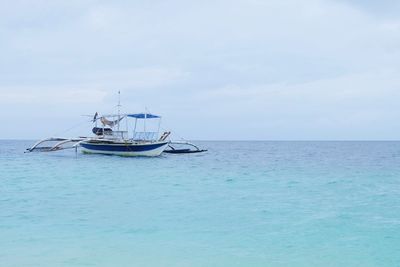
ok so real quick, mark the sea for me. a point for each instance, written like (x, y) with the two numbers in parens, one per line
(240, 204)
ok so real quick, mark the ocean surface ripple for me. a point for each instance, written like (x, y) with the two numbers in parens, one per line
(244, 204)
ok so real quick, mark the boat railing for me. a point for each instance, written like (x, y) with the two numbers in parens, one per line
(120, 134)
(145, 136)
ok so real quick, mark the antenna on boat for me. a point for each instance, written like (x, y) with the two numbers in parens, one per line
(119, 107)
(145, 118)
(119, 102)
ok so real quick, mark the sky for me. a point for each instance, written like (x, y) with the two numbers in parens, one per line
(215, 70)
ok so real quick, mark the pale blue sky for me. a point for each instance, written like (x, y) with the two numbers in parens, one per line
(237, 69)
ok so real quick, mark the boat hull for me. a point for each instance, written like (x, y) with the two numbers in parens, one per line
(129, 150)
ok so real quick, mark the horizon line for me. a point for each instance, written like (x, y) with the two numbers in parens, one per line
(256, 140)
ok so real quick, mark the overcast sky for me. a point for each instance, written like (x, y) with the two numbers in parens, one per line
(234, 70)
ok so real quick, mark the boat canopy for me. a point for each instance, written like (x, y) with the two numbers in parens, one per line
(143, 116)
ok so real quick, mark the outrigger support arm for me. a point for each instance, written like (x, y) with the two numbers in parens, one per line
(183, 150)
(57, 146)
(184, 143)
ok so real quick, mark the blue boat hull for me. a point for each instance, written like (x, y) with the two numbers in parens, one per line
(129, 149)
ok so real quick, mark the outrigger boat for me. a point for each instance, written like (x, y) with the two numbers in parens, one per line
(109, 139)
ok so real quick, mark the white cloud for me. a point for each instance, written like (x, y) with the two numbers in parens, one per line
(45, 95)
(305, 66)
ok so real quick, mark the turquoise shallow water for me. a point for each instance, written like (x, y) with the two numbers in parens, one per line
(240, 204)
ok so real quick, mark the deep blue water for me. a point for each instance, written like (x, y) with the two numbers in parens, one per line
(240, 204)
